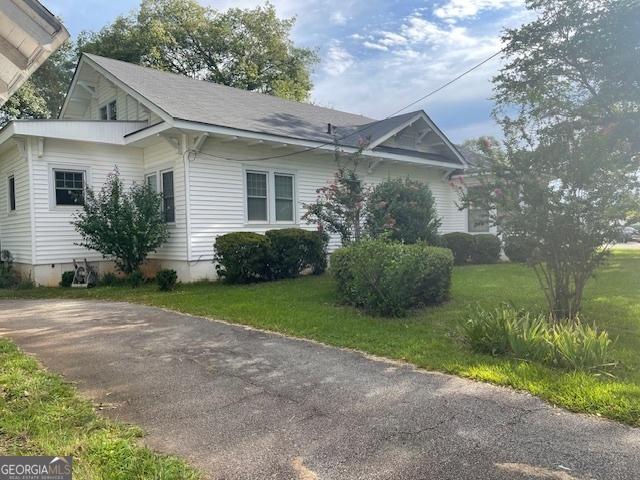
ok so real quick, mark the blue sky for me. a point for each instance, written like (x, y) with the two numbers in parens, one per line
(378, 55)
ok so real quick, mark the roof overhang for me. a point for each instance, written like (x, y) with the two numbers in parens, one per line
(29, 33)
(77, 130)
(196, 128)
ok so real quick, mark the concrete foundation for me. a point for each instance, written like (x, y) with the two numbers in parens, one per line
(51, 274)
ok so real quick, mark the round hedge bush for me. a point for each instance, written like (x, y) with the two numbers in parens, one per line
(292, 250)
(388, 279)
(242, 257)
(486, 248)
(518, 249)
(167, 280)
(461, 244)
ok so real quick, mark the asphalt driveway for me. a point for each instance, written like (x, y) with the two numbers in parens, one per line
(244, 404)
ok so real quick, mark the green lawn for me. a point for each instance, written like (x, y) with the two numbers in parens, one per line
(42, 415)
(429, 338)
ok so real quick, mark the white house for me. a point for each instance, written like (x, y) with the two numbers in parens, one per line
(225, 159)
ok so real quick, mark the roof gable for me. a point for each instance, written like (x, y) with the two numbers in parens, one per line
(178, 98)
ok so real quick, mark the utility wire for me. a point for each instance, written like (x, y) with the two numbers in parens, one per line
(362, 129)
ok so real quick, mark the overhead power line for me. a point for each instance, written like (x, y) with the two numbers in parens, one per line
(363, 129)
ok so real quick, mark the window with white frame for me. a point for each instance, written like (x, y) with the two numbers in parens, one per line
(478, 219)
(283, 193)
(109, 111)
(12, 193)
(270, 197)
(69, 186)
(168, 197)
(152, 182)
(257, 206)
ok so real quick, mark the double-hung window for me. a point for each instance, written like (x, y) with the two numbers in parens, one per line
(12, 193)
(479, 220)
(270, 197)
(69, 187)
(168, 197)
(109, 111)
(283, 197)
(257, 205)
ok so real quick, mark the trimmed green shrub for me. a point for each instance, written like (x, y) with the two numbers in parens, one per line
(292, 250)
(110, 279)
(135, 279)
(242, 257)
(388, 279)
(486, 248)
(461, 244)
(507, 331)
(9, 278)
(67, 279)
(403, 210)
(518, 249)
(167, 280)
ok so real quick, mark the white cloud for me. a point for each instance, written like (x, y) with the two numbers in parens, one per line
(391, 39)
(338, 18)
(374, 46)
(418, 29)
(337, 60)
(460, 9)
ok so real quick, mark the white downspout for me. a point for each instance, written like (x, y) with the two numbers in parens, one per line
(184, 148)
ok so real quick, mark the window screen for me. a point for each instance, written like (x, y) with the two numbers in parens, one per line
(256, 196)
(284, 198)
(12, 193)
(69, 187)
(168, 197)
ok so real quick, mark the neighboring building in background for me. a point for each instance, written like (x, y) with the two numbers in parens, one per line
(225, 159)
(29, 33)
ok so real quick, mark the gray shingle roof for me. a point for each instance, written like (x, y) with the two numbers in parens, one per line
(210, 103)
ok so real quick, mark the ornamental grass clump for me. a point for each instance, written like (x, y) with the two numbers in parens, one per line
(508, 331)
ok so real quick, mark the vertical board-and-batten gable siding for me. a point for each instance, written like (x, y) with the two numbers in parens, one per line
(128, 108)
(15, 227)
(161, 157)
(55, 237)
(217, 190)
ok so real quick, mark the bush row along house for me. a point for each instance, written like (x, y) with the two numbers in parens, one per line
(224, 159)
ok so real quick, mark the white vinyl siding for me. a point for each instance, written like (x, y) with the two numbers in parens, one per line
(15, 226)
(219, 195)
(158, 158)
(56, 238)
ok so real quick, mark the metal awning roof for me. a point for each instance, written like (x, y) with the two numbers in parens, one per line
(29, 33)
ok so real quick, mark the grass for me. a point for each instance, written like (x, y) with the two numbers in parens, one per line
(42, 415)
(430, 338)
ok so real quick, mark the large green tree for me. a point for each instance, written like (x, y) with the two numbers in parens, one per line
(569, 100)
(243, 48)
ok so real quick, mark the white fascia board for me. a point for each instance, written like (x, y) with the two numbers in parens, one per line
(144, 133)
(7, 132)
(330, 147)
(76, 130)
(392, 132)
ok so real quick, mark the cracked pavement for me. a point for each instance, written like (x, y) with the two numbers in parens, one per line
(244, 404)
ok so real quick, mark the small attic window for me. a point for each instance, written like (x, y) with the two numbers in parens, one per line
(109, 111)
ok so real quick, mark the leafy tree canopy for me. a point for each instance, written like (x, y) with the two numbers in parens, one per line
(243, 48)
(567, 177)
